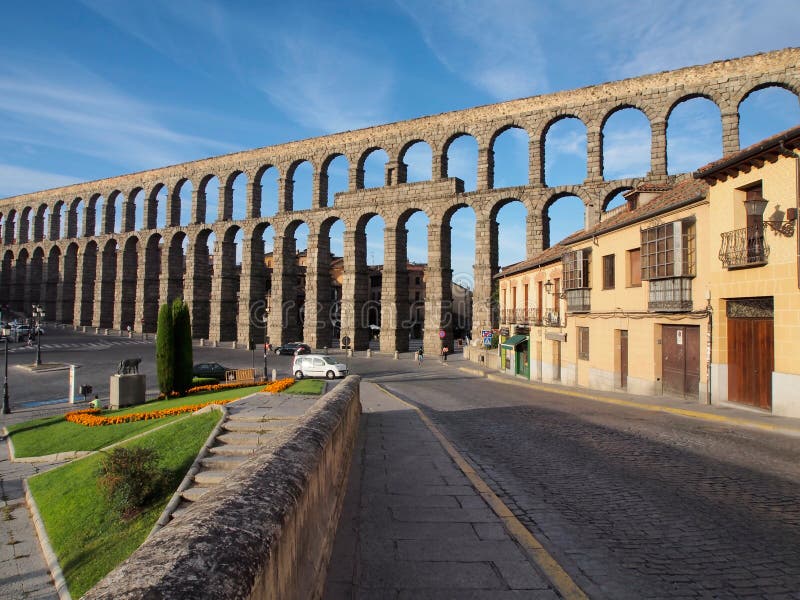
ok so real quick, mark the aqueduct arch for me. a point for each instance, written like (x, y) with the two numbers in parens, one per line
(82, 265)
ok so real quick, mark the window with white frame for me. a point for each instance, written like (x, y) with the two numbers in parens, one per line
(668, 250)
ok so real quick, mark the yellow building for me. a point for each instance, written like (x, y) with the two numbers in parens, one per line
(754, 274)
(690, 289)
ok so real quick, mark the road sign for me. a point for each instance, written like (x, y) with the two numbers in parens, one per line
(486, 333)
(487, 341)
(442, 334)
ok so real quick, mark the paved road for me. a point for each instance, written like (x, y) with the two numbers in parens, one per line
(633, 504)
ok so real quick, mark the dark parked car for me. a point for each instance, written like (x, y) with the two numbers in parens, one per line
(215, 370)
(293, 347)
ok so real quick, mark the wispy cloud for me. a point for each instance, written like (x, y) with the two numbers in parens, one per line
(626, 154)
(62, 105)
(493, 45)
(16, 180)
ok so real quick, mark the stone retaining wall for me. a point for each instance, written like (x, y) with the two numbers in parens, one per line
(268, 531)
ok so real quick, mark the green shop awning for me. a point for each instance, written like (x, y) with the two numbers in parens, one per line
(514, 341)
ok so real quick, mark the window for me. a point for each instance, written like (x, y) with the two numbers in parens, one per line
(608, 272)
(416, 280)
(635, 268)
(583, 343)
(416, 296)
(576, 269)
(668, 250)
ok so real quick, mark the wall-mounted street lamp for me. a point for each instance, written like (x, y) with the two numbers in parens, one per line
(266, 341)
(548, 287)
(783, 225)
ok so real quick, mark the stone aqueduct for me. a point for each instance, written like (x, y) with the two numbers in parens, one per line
(118, 279)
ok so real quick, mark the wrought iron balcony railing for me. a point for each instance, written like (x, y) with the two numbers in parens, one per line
(579, 300)
(670, 295)
(746, 247)
(519, 316)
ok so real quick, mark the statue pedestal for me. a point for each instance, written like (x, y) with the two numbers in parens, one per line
(127, 390)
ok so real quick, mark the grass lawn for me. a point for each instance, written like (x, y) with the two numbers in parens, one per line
(306, 386)
(88, 538)
(53, 434)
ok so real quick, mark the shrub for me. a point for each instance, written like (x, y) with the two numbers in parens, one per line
(130, 477)
(182, 347)
(165, 350)
(203, 381)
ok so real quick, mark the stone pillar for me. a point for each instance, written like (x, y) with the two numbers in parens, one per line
(141, 274)
(730, 132)
(536, 162)
(593, 208)
(38, 227)
(283, 316)
(199, 205)
(594, 153)
(174, 208)
(108, 295)
(150, 215)
(356, 178)
(395, 316)
(148, 291)
(438, 165)
(318, 324)
(485, 169)
(395, 172)
(253, 200)
(285, 193)
(77, 306)
(438, 291)
(97, 307)
(534, 234)
(484, 309)
(225, 203)
(319, 190)
(355, 287)
(126, 294)
(56, 287)
(54, 226)
(658, 150)
(67, 286)
(72, 223)
(85, 284)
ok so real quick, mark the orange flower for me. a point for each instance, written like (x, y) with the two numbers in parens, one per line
(278, 386)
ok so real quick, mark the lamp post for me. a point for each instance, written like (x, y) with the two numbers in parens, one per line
(38, 315)
(266, 341)
(6, 406)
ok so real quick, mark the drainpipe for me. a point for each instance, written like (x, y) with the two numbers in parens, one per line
(709, 338)
(797, 198)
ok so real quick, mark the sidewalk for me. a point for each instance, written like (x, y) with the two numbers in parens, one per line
(413, 524)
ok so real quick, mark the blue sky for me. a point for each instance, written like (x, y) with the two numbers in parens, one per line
(98, 88)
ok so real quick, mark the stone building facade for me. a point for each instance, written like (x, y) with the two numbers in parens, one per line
(115, 279)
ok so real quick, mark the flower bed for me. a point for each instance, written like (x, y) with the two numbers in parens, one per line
(92, 417)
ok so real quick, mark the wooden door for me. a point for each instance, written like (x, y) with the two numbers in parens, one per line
(623, 358)
(751, 361)
(680, 359)
(556, 360)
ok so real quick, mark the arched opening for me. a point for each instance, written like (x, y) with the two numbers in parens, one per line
(89, 270)
(208, 200)
(404, 332)
(108, 285)
(176, 266)
(563, 216)
(9, 234)
(510, 158)
(116, 210)
(511, 218)
(236, 197)
(41, 223)
(227, 270)
(57, 222)
(461, 156)
(301, 183)
(34, 294)
(565, 152)
(161, 204)
(766, 111)
(455, 277)
(51, 284)
(694, 135)
(369, 257)
(203, 255)
(615, 199)
(373, 165)
(138, 200)
(25, 225)
(129, 282)
(324, 275)
(289, 280)
(100, 222)
(335, 177)
(417, 163)
(6, 278)
(626, 144)
(255, 292)
(69, 283)
(182, 202)
(18, 300)
(267, 178)
(152, 283)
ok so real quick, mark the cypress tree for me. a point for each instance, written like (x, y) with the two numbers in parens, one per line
(165, 350)
(182, 332)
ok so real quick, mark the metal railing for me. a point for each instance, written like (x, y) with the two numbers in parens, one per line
(744, 247)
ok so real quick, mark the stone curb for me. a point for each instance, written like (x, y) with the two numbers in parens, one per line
(187, 480)
(56, 573)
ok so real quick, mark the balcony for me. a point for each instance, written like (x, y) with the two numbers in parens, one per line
(521, 316)
(670, 295)
(745, 247)
(579, 300)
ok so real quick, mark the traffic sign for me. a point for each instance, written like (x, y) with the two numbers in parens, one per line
(442, 334)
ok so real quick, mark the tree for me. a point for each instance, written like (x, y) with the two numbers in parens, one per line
(165, 350)
(182, 346)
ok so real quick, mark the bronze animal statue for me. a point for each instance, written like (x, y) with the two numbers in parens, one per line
(128, 366)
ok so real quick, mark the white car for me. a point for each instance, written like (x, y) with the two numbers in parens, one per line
(317, 365)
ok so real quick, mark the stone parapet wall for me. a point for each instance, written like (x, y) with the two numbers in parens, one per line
(265, 533)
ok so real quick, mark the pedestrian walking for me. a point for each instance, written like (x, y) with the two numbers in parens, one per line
(445, 350)
(419, 357)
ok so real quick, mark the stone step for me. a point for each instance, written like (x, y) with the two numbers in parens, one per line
(211, 477)
(182, 508)
(194, 493)
(222, 463)
(241, 426)
(234, 449)
(236, 438)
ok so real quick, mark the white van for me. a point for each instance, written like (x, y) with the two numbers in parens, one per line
(317, 365)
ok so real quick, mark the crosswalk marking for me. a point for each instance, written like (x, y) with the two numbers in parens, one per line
(99, 345)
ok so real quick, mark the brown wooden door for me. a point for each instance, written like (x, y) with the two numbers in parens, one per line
(556, 360)
(680, 359)
(751, 361)
(623, 358)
